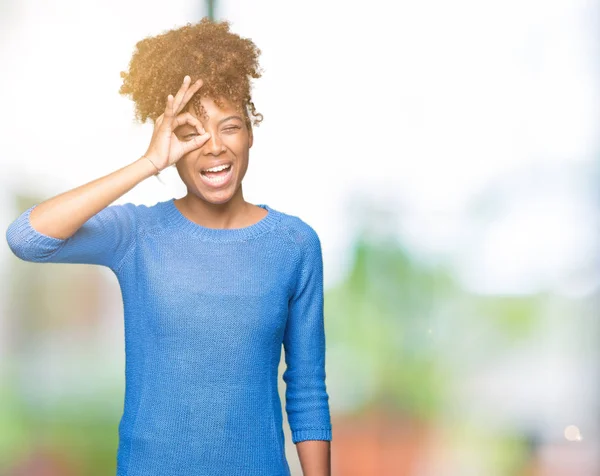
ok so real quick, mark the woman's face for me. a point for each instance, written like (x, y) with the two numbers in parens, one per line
(229, 144)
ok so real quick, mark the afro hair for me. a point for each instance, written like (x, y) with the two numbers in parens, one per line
(206, 50)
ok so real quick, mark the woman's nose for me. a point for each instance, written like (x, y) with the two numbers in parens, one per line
(214, 144)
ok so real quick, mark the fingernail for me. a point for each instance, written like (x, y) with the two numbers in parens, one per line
(187, 78)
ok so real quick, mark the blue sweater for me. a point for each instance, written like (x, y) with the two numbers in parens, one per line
(206, 312)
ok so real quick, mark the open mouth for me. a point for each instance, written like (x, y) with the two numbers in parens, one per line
(217, 176)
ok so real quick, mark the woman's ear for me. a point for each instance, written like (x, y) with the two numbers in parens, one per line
(250, 137)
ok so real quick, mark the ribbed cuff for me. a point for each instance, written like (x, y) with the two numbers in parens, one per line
(311, 434)
(27, 243)
(27, 231)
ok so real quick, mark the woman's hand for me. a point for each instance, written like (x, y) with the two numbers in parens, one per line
(165, 148)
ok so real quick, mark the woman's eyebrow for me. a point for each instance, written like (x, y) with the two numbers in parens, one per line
(229, 117)
(186, 127)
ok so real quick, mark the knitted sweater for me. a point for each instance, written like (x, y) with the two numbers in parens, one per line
(206, 312)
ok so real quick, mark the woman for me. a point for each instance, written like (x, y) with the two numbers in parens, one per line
(212, 285)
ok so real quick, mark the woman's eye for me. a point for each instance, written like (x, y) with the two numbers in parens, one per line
(229, 129)
(189, 136)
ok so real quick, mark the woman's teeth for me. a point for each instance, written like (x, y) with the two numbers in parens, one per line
(218, 168)
(216, 176)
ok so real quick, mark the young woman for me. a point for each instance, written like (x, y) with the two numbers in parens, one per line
(212, 285)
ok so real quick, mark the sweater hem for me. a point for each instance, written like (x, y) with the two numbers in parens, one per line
(323, 434)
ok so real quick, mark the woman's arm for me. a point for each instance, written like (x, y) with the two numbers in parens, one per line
(315, 457)
(61, 216)
(79, 226)
(307, 401)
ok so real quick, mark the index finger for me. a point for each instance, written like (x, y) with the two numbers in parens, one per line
(189, 93)
(180, 93)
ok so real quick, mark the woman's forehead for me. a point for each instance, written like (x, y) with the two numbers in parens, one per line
(211, 111)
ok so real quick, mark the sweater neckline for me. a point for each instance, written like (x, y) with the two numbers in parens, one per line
(181, 222)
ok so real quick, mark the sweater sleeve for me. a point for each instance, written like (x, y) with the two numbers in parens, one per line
(307, 401)
(104, 239)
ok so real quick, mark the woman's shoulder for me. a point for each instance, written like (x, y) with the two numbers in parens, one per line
(297, 229)
(135, 217)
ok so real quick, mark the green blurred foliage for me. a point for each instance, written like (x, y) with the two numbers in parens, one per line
(403, 318)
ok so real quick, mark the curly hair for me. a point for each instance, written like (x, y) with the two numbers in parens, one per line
(207, 50)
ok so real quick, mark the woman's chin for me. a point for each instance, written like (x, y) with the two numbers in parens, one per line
(219, 196)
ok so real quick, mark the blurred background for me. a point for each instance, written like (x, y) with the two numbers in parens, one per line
(448, 155)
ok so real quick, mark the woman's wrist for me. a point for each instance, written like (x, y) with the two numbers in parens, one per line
(149, 167)
(153, 164)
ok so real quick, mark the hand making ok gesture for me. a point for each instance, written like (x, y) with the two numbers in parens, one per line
(165, 148)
